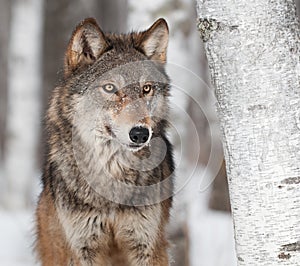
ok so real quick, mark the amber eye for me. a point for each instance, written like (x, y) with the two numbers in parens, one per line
(147, 88)
(109, 88)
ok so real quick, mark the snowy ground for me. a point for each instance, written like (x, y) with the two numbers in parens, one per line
(16, 238)
(211, 241)
(211, 236)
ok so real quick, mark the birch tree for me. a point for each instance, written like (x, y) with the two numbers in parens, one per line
(23, 114)
(4, 35)
(253, 51)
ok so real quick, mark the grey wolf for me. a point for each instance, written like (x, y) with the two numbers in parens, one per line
(108, 167)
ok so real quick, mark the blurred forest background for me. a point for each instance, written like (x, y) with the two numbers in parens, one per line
(33, 38)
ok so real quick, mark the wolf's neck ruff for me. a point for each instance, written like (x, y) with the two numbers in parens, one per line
(119, 175)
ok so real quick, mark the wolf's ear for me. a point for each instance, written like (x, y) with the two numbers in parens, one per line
(85, 46)
(154, 41)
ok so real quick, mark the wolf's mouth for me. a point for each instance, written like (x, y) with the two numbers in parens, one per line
(135, 147)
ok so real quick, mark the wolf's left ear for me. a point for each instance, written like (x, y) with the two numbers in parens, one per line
(154, 41)
(85, 46)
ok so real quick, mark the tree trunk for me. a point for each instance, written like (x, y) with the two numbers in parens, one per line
(253, 50)
(219, 197)
(23, 115)
(4, 35)
(112, 15)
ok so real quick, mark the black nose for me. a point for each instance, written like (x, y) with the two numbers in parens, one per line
(139, 135)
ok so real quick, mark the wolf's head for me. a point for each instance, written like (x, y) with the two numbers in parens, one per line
(118, 83)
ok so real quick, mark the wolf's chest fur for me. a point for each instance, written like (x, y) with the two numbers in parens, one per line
(107, 179)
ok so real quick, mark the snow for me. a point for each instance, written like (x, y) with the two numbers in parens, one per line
(17, 238)
(211, 237)
(212, 242)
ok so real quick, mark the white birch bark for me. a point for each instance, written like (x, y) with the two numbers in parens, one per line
(253, 50)
(24, 87)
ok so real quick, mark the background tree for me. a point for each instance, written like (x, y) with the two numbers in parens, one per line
(253, 51)
(23, 102)
(4, 36)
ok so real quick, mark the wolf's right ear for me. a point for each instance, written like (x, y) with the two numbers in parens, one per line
(85, 46)
(154, 41)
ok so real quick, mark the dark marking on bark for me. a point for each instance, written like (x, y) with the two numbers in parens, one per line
(257, 107)
(285, 249)
(240, 258)
(291, 181)
(284, 256)
(207, 26)
(291, 247)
